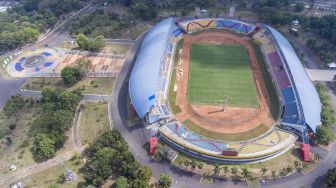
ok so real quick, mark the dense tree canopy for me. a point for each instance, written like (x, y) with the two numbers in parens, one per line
(85, 43)
(165, 181)
(24, 22)
(331, 177)
(109, 154)
(71, 75)
(55, 119)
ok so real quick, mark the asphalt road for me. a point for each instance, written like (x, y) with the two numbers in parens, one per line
(8, 88)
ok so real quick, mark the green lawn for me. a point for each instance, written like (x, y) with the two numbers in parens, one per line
(94, 121)
(15, 147)
(111, 48)
(221, 70)
(87, 85)
(172, 94)
(51, 176)
(233, 137)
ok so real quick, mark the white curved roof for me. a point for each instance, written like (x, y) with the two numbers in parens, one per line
(310, 100)
(146, 70)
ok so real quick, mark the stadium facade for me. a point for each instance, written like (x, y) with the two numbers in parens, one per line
(150, 77)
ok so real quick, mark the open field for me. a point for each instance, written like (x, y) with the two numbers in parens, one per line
(111, 48)
(52, 175)
(15, 147)
(221, 70)
(87, 85)
(253, 133)
(94, 121)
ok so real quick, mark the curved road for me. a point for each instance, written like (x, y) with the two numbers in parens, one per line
(137, 136)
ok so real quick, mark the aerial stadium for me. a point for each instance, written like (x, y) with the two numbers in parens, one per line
(224, 90)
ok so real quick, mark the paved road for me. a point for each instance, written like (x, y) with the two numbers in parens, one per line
(310, 60)
(321, 75)
(8, 88)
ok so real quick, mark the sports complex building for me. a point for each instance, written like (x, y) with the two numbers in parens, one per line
(223, 90)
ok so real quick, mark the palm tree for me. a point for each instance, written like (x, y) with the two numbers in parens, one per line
(193, 164)
(186, 163)
(180, 162)
(263, 171)
(225, 169)
(297, 164)
(200, 165)
(234, 171)
(289, 169)
(245, 173)
(274, 175)
(216, 169)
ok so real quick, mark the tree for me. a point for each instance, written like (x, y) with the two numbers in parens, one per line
(144, 173)
(274, 174)
(200, 165)
(186, 163)
(121, 182)
(216, 169)
(180, 162)
(299, 7)
(71, 75)
(324, 135)
(82, 41)
(225, 169)
(193, 164)
(98, 44)
(234, 171)
(297, 164)
(263, 171)
(245, 173)
(289, 169)
(165, 181)
(331, 177)
(44, 147)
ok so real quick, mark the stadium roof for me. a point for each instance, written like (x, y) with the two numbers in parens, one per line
(145, 73)
(310, 100)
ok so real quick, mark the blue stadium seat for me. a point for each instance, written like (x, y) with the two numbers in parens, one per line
(288, 95)
(197, 140)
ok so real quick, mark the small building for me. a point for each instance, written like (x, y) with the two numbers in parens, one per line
(17, 185)
(305, 152)
(12, 167)
(204, 12)
(294, 30)
(332, 65)
(169, 153)
(295, 22)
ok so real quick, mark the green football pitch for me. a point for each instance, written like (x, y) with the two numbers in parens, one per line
(221, 70)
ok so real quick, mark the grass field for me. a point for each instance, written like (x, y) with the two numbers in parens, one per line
(112, 48)
(87, 85)
(253, 133)
(221, 70)
(94, 121)
(172, 94)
